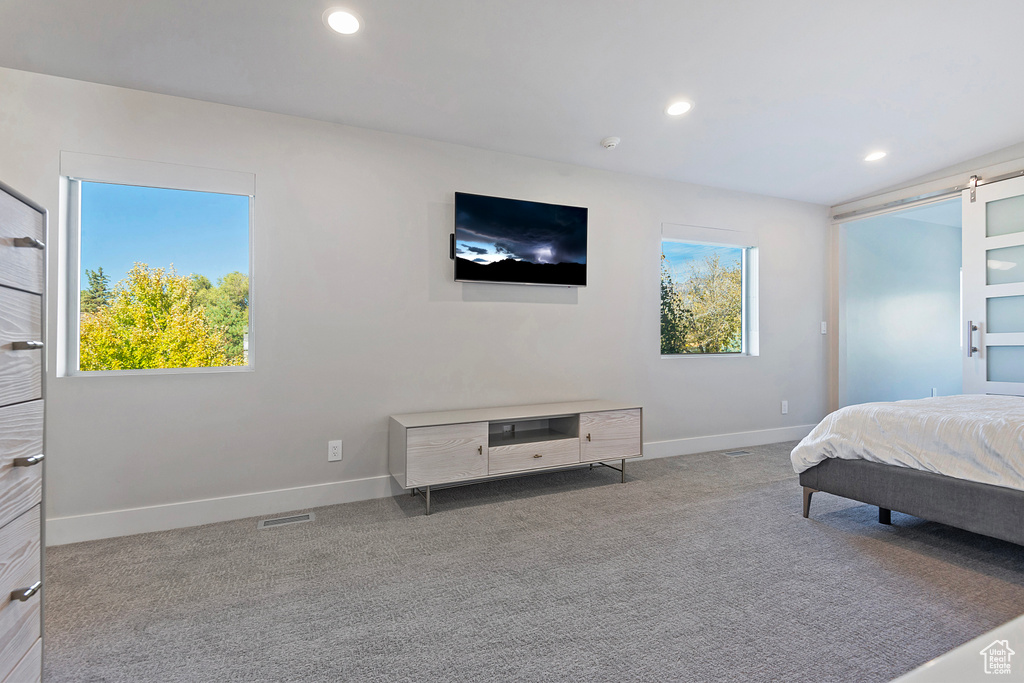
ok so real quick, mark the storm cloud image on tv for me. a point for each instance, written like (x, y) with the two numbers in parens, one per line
(510, 240)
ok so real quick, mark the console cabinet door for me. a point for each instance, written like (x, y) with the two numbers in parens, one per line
(447, 453)
(609, 435)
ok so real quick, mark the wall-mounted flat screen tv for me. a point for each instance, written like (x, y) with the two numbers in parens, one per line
(519, 242)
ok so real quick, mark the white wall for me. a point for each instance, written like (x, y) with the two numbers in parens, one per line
(901, 318)
(357, 315)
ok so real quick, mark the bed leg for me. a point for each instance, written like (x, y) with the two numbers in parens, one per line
(808, 492)
(884, 516)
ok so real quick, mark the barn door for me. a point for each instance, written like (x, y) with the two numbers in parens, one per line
(993, 288)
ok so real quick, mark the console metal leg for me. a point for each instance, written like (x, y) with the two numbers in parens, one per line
(425, 492)
(808, 492)
(884, 516)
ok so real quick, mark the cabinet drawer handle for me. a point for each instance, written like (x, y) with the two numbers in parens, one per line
(29, 461)
(30, 242)
(23, 594)
(538, 456)
(480, 450)
(588, 437)
(26, 345)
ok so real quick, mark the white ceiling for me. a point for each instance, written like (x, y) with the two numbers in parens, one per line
(790, 94)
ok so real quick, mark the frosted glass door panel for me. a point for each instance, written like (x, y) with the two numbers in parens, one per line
(1004, 216)
(901, 310)
(1005, 265)
(1006, 314)
(1006, 364)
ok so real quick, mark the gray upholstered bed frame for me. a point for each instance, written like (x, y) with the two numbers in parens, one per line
(982, 508)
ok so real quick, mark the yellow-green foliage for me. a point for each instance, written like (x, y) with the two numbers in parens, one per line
(703, 313)
(151, 321)
(226, 308)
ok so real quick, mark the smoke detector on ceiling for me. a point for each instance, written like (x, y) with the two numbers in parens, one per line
(610, 142)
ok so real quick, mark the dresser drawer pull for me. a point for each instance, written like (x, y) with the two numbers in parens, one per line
(30, 242)
(23, 594)
(538, 456)
(29, 461)
(480, 450)
(588, 437)
(26, 345)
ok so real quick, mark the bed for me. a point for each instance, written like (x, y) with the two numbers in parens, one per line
(957, 460)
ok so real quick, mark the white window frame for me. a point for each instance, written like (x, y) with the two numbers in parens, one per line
(75, 168)
(719, 237)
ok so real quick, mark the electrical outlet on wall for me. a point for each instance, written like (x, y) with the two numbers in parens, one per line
(334, 453)
(785, 407)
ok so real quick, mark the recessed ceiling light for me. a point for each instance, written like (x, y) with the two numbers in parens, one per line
(874, 156)
(679, 108)
(342, 20)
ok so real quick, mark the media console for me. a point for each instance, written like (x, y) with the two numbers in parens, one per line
(462, 446)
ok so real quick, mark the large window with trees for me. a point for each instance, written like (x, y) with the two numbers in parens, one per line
(708, 294)
(158, 277)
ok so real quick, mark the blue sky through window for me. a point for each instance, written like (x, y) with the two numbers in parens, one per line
(199, 232)
(681, 254)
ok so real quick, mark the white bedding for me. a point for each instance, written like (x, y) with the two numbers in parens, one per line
(975, 437)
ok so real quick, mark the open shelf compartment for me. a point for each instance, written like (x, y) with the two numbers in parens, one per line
(508, 432)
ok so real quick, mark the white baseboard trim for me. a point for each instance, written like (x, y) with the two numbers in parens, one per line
(721, 442)
(90, 527)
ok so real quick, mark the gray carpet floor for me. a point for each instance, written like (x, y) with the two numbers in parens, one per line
(698, 568)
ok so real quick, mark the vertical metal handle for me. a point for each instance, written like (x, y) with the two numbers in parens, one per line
(588, 437)
(480, 450)
(971, 329)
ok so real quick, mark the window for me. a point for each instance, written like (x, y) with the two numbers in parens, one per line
(157, 274)
(708, 292)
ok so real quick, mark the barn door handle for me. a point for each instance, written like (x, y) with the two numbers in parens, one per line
(30, 242)
(971, 329)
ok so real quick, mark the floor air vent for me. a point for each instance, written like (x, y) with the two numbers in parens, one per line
(283, 521)
(733, 454)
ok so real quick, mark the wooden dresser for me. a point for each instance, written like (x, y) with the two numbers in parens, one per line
(22, 285)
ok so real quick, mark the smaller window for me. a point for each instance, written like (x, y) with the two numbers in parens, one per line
(708, 296)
